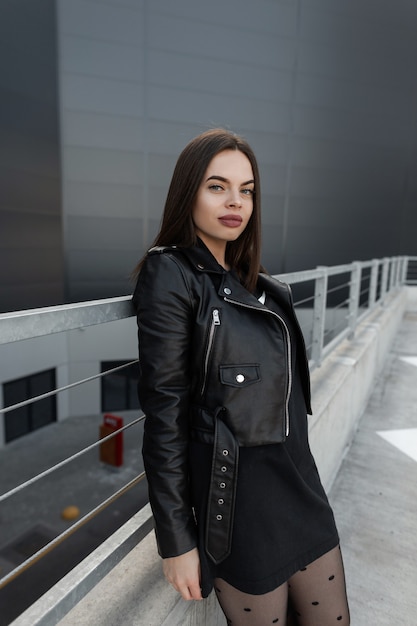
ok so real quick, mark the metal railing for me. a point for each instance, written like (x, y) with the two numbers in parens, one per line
(330, 303)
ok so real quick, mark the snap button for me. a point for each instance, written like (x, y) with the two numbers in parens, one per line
(223, 468)
(227, 291)
(200, 267)
(220, 501)
(225, 452)
(219, 517)
(240, 378)
(222, 485)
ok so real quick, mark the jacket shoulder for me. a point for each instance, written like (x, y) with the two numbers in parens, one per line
(161, 249)
(162, 275)
(175, 253)
(273, 284)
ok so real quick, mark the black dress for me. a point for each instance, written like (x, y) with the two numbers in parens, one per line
(283, 520)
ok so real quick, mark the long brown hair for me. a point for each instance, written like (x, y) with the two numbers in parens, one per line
(177, 227)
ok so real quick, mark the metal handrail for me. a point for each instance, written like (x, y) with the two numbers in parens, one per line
(385, 276)
(32, 323)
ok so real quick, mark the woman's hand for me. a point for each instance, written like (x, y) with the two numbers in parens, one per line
(183, 572)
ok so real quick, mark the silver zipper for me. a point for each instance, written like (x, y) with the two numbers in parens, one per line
(215, 321)
(287, 333)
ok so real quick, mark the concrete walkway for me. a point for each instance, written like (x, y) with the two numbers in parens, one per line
(375, 495)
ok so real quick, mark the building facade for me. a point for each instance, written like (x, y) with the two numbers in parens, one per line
(99, 97)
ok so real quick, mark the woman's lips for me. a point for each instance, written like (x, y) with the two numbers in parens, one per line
(231, 221)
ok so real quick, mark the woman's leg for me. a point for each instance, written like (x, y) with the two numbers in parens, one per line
(318, 592)
(244, 609)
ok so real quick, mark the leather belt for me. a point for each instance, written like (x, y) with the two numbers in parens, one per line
(222, 494)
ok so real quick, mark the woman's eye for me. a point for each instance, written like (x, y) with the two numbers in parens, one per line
(247, 192)
(216, 187)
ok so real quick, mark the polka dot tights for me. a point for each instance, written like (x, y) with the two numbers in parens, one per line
(314, 596)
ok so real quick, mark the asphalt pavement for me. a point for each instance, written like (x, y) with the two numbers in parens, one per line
(33, 517)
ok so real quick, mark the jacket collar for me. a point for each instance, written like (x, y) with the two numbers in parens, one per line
(229, 286)
(202, 259)
(231, 289)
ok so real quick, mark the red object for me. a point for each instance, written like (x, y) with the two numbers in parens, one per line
(111, 451)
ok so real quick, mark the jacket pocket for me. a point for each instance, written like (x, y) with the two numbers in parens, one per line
(240, 375)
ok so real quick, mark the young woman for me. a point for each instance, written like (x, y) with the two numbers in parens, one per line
(224, 384)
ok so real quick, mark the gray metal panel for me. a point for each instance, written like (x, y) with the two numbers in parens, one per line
(102, 131)
(219, 76)
(28, 231)
(102, 95)
(30, 197)
(38, 194)
(107, 233)
(232, 111)
(330, 126)
(271, 149)
(100, 58)
(30, 266)
(196, 37)
(94, 199)
(322, 91)
(276, 17)
(272, 183)
(103, 21)
(157, 197)
(273, 213)
(161, 167)
(99, 266)
(24, 292)
(103, 166)
(99, 288)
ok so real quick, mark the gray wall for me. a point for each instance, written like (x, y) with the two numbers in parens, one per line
(31, 249)
(324, 90)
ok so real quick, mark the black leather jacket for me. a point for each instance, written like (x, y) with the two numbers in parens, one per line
(216, 367)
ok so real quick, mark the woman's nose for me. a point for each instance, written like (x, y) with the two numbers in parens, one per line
(235, 199)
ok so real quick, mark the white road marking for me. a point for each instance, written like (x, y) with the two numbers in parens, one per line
(412, 360)
(404, 439)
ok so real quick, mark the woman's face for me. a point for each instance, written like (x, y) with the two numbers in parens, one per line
(224, 201)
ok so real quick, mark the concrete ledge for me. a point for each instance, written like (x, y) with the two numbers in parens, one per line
(134, 593)
(342, 385)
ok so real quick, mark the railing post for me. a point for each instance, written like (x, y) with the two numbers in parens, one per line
(391, 274)
(373, 283)
(401, 273)
(384, 280)
(400, 270)
(404, 270)
(396, 261)
(355, 284)
(391, 280)
(319, 316)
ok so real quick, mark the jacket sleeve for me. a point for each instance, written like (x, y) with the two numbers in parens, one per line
(164, 315)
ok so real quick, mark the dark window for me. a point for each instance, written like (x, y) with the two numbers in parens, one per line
(119, 389)
(27, 418)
